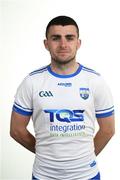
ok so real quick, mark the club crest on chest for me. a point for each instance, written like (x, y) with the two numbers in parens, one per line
(84, 93)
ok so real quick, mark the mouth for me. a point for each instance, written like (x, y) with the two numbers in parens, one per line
(63, 52)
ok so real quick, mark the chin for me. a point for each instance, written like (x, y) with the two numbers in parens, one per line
(63, 61)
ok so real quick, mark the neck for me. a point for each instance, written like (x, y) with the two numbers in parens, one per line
(64, 69)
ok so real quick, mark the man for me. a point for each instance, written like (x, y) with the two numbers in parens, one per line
(64, 99)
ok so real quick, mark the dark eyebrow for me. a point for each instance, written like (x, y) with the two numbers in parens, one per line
(58, 35)
(55, 35)
(70, 35)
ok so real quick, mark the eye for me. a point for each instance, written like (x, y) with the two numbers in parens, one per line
(70, 38)
(56, 38)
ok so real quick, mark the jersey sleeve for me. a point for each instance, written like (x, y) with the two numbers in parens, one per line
(103, 99)
(23, 98)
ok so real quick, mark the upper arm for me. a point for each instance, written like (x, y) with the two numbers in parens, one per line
(22, 107)
(107, 124)
(18, 122)
(104, 107)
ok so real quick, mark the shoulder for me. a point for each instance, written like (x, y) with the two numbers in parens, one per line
(90, 72)
(38, 74)
(34, 76)
(94, 78)
(39, 71)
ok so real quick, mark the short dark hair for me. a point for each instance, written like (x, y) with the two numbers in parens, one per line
(62, 20)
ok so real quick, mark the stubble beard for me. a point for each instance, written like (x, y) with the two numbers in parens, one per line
(63, 62)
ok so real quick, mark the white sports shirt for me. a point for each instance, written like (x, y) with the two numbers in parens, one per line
(64, 110)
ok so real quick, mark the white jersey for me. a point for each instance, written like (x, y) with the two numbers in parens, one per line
(64, 110)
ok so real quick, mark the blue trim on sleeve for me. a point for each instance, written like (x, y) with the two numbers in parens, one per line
(34, 178)
(105, 114)
(22, 107)
(105, 109)
(20, 111)
(64, 76)
(97, 177)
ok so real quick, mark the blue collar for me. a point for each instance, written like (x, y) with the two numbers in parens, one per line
(64, 76)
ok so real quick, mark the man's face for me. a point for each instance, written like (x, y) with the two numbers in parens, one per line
(62, 43)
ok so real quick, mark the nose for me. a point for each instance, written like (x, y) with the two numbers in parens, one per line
(63, 43)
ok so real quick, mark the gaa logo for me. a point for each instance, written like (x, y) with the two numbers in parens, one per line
(45, 94)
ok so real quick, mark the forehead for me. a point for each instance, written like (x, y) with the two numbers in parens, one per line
(62, 30)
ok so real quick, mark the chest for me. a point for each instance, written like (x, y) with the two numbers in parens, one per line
(63, 94)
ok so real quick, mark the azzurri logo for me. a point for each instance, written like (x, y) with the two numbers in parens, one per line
(45, 94)
(65, 115)
(65, 84)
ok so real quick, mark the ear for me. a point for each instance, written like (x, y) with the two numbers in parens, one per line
(46, 44)
(79, 43)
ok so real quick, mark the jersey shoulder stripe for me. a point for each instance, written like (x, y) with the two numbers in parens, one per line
(41, 70)
(90, 70)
